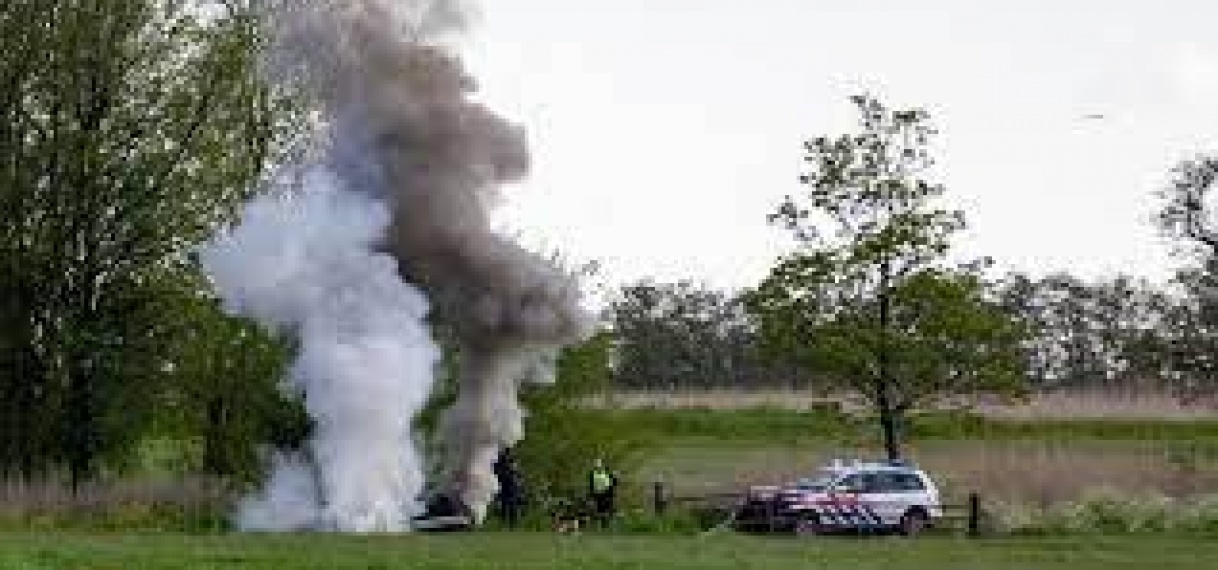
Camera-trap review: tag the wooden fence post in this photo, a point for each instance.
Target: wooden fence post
(659, 499)
(974, 515)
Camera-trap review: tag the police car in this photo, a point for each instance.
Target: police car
(851, 497)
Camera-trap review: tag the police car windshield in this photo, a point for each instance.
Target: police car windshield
(819, 482)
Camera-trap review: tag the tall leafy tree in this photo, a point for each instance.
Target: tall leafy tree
(1186, 213)
(868, 297)
(129, 129)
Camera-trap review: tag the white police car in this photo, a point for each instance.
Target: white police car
(851, 497)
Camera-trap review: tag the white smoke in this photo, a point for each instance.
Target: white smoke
(305, 263)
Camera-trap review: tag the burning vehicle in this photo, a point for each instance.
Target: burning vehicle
(855, 497)
(444, 513)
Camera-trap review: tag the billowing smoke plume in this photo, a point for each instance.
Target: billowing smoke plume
(411, 168)
(305, 264)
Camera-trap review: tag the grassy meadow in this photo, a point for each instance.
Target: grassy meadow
(1021, 470)
(538, 551)
(1062, 452)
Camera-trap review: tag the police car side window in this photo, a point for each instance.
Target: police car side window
(907, 482)
(898, 482)
(887, 483)
(852, 482)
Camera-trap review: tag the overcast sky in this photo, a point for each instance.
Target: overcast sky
(664, 131)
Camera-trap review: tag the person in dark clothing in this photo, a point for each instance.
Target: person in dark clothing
(511, 488)
(602, 488)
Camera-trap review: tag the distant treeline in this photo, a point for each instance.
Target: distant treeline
(1121, 333)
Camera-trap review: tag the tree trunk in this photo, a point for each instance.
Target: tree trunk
(25, 434)
(32, 418)
(883, 398)
(215, 460)
(82, 428)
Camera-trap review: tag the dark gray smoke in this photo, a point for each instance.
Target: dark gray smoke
(402, 125)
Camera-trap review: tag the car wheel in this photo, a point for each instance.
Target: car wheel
(913, 522)
(807, 527)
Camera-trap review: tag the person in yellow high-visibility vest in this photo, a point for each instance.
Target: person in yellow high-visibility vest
(602, 488)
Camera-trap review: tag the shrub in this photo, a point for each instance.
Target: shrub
(1200, 515)
(1105, 511)
(563, 438)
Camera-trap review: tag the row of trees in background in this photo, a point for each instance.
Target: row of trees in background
(1117, 334)
(688, 336)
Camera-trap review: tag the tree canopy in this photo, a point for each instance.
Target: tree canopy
(130, 130)
(868, 297)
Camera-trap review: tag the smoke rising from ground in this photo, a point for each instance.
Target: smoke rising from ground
(411, 168)
(304, 263)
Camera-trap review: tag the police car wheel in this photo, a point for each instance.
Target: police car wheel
(807, 526)
(913, 523)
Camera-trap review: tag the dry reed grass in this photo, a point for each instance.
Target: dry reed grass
(715, 399)
(1079, 404)
(19, 499)
(1047, 472)
(1101, 405)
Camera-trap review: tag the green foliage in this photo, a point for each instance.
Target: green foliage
(685, 335)
(870, 303)
(164, 457)
(1118, 333)
(1188, 334)
(1186, 214)
(130, 130)
(223, 396)
(943, 337)
(563, 438)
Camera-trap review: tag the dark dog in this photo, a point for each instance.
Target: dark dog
(567, 525)
(568, 519)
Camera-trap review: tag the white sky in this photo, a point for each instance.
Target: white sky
(664, 131)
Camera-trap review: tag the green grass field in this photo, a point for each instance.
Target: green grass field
(591, 551)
